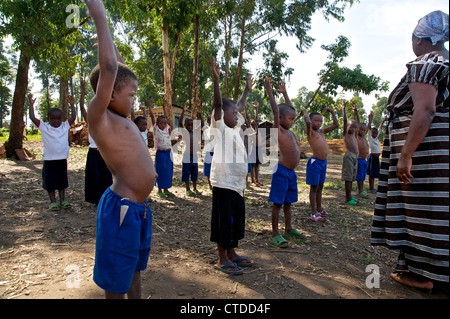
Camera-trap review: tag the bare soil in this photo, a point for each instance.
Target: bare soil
(47, 254)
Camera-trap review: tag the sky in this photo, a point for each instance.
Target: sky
(380, 35)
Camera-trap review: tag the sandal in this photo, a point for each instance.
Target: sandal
(168, 193)
(53, 206)
(294, 233)
(316, 217)
(239, 262)
(324, 213)
(197, 192)
(279, 241)
(237, 270)
(351, 202)
(65, 204)
(161, 194)
(190, 193)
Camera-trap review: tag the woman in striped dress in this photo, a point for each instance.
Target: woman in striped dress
(411, 210)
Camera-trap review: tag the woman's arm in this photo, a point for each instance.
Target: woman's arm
(424, 100)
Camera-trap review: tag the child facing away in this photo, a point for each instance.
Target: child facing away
(373, 161)
(283, 190)
(124, 219)
(350, 160)
(97, 177)
(141, 122)
(55, 137)
(189, 168)
(228, 179)
(316, 168)
(363, 151)
(163, 156)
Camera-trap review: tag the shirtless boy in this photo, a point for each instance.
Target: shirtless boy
(283, 191)
(350, 160)
(316, 167)
(363, 151)
(123, 216)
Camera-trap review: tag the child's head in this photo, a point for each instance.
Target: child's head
(162, 122)
(54, 117)
(287, 115)
(316, 120)
(230, 112)
(374, 132)
(124, 90)
(189, 124)
(352, 126)
(141, 123)
(362, 129)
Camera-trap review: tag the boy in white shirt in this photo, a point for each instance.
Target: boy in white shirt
(228, 178)
(55, 136)
(373, 166)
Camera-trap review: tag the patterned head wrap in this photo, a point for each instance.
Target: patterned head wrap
(434, 26)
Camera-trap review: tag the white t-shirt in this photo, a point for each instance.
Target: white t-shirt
(229, 164)
(374, 145)
(56, 141)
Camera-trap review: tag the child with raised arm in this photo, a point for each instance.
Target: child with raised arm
(97, 177)
(189, 168)
(55, 137)
(163, 156)
(283, 190)
(228, 178)
(350, 160)
(316, 168)
(363, 151)
(124, 219)
(373, 161)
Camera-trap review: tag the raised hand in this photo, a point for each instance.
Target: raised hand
(215, 68)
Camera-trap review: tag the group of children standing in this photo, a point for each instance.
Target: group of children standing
(124, 218)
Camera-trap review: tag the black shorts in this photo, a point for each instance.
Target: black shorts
(54, 175)
(227, 218)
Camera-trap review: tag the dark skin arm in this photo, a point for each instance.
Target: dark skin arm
(273, 104)
(282, 89)
(152, 116)
(243, 98)
(180, 122)
(335, 124)
(71, 101)
(424, 100)
(305, 114)
(82, 95)
(344, 115)
(31, 110)
(217, 105)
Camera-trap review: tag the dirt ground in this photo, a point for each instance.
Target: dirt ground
(46, 254)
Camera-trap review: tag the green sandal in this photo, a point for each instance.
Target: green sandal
(161, 194)
(197, 192)
(53, 206)
(190, 193)
(294, 234)
(279, 241)
(168, 193)
(65, 204)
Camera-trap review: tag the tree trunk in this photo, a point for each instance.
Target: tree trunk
(167, 75)
(228, 34)
(15, 140)
(240, 61)
(195, 106)
(63, 93)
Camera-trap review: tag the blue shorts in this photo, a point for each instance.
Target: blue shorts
(284, 186)
(207, 163)
(316, 171)
(189, 169)
(362, 170)
(164, 169)
(121, 248)
(373, 166)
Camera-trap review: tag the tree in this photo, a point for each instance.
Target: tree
(5, 79)
(32, 35)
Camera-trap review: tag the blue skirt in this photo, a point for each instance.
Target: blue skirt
(164, 169)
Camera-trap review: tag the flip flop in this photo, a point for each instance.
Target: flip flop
(161, 194)
(324, 213)
(240, 264)
(351, 202)
(190, 193)
(197, 192)
(230, 272)
(294, 233)
(279, 241)
(168, 193)
(53, 206)
(65, 204)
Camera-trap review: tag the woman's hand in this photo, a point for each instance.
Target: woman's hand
(404, 169)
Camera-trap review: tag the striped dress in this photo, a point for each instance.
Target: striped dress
(413, 218)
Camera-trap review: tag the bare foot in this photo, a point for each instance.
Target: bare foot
(412, 281)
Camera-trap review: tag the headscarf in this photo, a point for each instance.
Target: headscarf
(434, 26)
